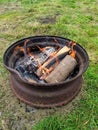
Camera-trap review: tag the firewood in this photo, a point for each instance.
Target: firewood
(60, 53)
(61, 72)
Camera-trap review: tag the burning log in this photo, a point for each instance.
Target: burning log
(45, 54)
(45, 63)
(64, 68)
(62, 52)
(29, 63)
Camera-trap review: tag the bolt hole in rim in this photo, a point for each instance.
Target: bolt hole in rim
(46, 101)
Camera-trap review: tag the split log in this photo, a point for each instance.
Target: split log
(61, 52)
(61, 72)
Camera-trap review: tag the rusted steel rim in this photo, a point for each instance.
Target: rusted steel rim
(46, 98)
(46, 95)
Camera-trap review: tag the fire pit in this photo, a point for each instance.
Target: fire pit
(46, 71)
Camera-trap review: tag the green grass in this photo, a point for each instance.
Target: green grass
(6, 1)
(74, 19)
(85, 115)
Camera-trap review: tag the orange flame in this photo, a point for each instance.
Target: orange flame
(45, 72)
(72, 44)
(73, 54)
(54, 53)
(41, 49)
(19, 48)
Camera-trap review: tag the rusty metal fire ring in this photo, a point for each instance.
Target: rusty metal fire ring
(51, 94)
